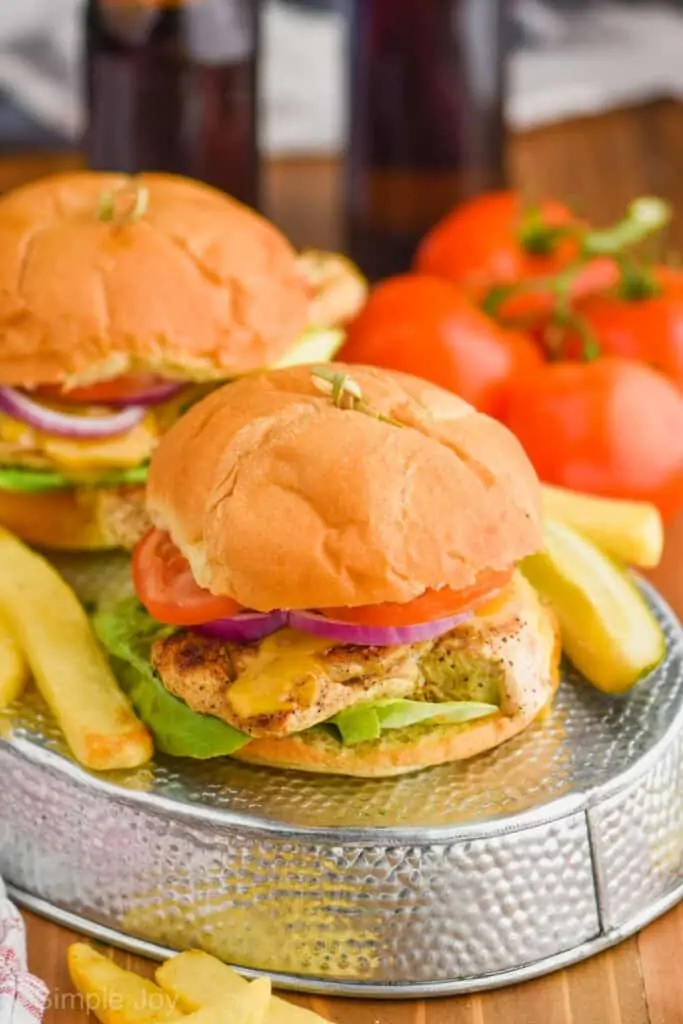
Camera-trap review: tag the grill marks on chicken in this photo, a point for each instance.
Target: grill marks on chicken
(289, 681)
(283, 684)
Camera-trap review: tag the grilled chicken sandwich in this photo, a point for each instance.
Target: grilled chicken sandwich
(330, 583)
(118, 297)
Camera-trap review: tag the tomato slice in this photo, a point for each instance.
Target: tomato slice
(168, 590)
(165, 585)
(428, 607)
(127, 387)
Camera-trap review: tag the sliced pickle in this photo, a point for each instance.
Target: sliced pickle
(608, 631)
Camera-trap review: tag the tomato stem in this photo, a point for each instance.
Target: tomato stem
(636, 282)
(538, 237)
(565, 317)
(497, 295)
(644, 218)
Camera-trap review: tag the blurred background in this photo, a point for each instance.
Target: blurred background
(591, 95)
(569, 58)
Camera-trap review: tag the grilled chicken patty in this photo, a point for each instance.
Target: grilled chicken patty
(290, 681)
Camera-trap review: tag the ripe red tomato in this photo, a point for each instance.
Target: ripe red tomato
(128, 387)
(428, 607)
(165, 585)
(649, 329)
(481, 244)
(427, 327)
(613, 427)
(491, 242)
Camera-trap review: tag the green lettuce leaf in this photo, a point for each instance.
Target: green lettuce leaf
(367, 721)
(21, 478)
(16, 478)
(358, 724)
(317, 345)
(127, 632)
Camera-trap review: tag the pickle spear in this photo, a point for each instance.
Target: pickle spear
(629, 530)
(608, 631)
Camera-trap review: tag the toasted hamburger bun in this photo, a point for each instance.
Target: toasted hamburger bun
(199, 287)
(407, 750)
(280, 499)
(78, 519)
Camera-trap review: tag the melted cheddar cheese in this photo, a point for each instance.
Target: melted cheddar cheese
(23, 444)
(284, 674)
(287, 672)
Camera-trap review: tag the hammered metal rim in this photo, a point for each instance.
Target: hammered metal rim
(560, 807)
(364, 990)
(348, 836)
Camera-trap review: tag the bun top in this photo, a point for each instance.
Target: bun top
(280, 499)
(198, 286)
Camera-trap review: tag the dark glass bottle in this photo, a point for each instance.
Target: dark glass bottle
(426, 119)
(171, 86)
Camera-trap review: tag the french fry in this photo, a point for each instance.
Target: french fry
(67, 663)
(116, 996)
(250, 1006)
(195, 980)
(630, 531)
(14, 671)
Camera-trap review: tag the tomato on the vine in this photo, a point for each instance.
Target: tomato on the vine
(646, 325)
(611, 427)
(491, 243)
(129, 387)
(428, 327)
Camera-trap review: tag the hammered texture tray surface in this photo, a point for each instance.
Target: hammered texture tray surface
(450, 879)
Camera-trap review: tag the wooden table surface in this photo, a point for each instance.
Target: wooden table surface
(598, 164)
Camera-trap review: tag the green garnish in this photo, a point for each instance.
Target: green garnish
(346, 393)
(124, 205)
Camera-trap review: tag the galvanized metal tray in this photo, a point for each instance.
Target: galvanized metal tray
(455, 879)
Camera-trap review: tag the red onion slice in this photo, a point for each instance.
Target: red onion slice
(372, 636)
(23, 408)
(249, 626)
(243, 628)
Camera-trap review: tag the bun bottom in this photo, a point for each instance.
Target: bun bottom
(404, 751)
(78, 519)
